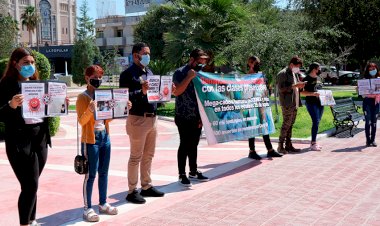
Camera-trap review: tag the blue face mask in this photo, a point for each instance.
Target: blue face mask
(373, 72)
(145, 59)
(27, 70)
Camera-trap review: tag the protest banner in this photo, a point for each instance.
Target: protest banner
(233, 107)
(369, 86)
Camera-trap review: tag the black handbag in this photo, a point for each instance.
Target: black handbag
(80, 161)
(81, 164)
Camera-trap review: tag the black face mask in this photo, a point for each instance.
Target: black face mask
(256, 68)
(198, 67)
(95, 82)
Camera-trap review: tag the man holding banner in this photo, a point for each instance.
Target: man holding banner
(187, 117)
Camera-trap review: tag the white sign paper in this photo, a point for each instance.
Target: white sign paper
(104, 101)
(57, 105)
(326, 97)
(33, 105)
(121, 97)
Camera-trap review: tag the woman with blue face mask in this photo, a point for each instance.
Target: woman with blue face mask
(371, 106)
(26, 140)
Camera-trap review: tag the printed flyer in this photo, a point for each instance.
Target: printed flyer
(326, 97)
(44, 99)
(160, 88)
(111, 103)
(369, 86)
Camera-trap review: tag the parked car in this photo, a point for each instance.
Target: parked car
(349, 78)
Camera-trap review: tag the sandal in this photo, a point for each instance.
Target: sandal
(90, 215)
(108, 209)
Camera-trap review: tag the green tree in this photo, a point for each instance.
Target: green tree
(8, 35)
(30, 19)
(358, 18)
(85, 23)
(85, 52)
(206, 24)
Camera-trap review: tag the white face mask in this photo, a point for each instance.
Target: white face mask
(295, 70)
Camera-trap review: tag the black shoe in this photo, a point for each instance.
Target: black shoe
(135, 197)
(151, 192)
(254, 155)
(292, 149)
(273, 154)
(373, 144)
(198, 176)
(183, 180)
(368, 144)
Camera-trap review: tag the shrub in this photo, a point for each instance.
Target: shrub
(42, 64)
(54, 125)
(3, 65)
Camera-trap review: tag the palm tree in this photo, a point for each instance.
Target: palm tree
(30, 19)
(206, 24)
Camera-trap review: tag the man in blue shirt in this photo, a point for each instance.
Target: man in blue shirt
(187, 117)
(141, 125)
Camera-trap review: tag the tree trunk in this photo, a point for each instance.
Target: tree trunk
(30, 38)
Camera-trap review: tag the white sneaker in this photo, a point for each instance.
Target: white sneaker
(315, 147)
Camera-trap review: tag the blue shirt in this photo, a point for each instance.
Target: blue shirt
(130, 79)
(186, 106)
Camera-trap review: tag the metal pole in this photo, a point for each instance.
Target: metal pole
(38, 26)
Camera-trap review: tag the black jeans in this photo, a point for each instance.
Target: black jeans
(370, 109)
(189, 135)
(27, 153)
(266, 138)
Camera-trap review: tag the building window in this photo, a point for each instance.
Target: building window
(63, 31)
(119, 33)
(64, 7)
(66, 30)
(53, 23)
(23, 2)
(45, 10)
(99, 34)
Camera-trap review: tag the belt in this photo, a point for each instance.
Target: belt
(145, 114)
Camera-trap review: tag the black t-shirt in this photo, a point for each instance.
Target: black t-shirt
(312, 85)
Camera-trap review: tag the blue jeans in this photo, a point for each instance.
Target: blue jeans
(315, 112)
(98, 156)
(370, 110)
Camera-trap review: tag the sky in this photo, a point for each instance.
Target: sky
(119, 8)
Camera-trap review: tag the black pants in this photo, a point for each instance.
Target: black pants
(27, 153)
(189, 135)
(266, 138)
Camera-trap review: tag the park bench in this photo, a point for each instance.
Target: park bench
(346, 115)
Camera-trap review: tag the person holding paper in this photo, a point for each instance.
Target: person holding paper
(141, 126)
(313, 104)
(26, 140)
(371, 106)
(254, 67)
(187, 117)
(289, 88)
(95, 146)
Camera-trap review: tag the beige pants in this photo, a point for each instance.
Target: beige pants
(142, 133)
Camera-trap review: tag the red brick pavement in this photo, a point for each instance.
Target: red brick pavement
(338, 186)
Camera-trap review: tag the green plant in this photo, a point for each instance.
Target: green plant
(54, 125)
(42, 64)
(161, 67)
(3, 65)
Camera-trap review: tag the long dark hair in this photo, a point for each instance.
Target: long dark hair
(11, 70)
(366, 72)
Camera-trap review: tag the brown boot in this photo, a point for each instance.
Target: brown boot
(289, 147)
(281, 149)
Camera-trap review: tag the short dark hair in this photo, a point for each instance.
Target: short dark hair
(296, 60)
(198, 53)
(254, 59)
(313, 66)
(138, 47)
